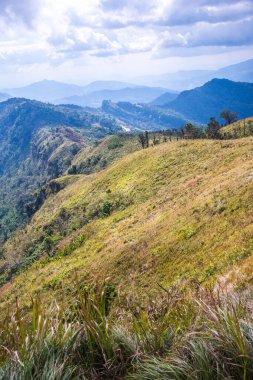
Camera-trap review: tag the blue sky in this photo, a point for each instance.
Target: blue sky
(80, 41)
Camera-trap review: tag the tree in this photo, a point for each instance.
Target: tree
(72, 169)
(213, 129)
(143, 139)
(155, 140)
(190, 131)
(229, 116)
(147, 138)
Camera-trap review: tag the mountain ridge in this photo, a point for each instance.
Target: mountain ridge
(200, 103)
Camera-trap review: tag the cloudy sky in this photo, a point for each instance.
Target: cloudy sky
(83, 40)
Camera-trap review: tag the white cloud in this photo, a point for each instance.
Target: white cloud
(52, 33)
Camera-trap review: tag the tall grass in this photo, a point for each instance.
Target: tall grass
(179, 335)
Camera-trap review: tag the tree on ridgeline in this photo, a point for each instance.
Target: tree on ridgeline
(229, 116)
(213, 129)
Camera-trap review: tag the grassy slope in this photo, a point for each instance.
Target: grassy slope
(92, 159)
(184, 212)
(240, 128)
(95, 158)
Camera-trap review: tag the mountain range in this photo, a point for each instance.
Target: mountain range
(183, 80)
(196, 105)
(138, 94)
(142, 90)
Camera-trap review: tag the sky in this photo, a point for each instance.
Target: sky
(79, 41)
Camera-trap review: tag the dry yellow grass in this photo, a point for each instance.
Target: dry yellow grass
(240, 128)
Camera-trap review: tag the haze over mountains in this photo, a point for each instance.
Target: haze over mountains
(151, 87)
(138, 94)
(183, 80)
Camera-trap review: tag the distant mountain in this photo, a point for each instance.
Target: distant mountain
(241, 72)
(183, 80)
(178, 81)
(128, 94)
(46, 90)
(212, 98)
(106, 85)
(143, 116)
(91, 95)
(4, 97)
(164, 98)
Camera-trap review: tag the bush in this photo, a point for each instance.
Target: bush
(114, 143)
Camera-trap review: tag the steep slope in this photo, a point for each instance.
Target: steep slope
(128, 94)
(211, 99)
(177, 211)
(38, 142)
(91, 159)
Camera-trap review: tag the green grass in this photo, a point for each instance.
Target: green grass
(112, 148)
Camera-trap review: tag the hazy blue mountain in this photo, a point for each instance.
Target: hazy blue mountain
(106, 85)
(178, 81)
(46, 90)
(90, 95)
(143, 116)
(212, 98)
(164, 98)
(128, 94)
(183, 80)
(4, 96)
(241, 72)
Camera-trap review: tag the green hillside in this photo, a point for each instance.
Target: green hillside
(96, 157)
(176, 211)
(37, 143)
